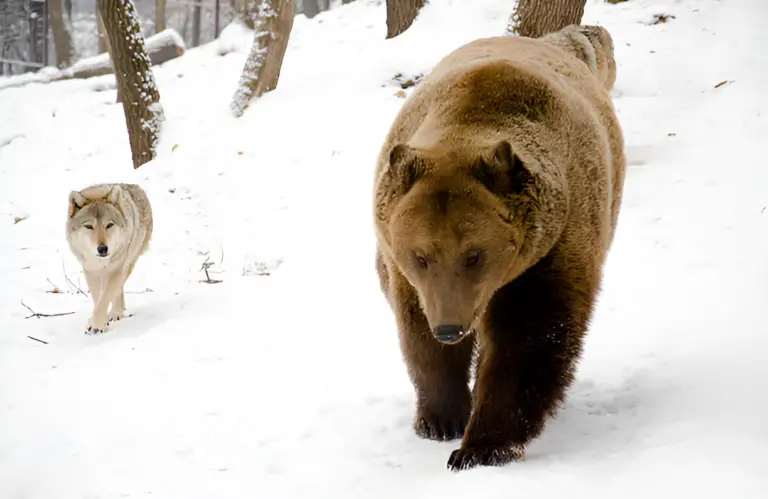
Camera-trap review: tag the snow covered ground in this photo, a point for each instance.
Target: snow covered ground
(291, 384)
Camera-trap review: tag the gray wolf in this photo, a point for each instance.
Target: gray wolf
(108, 228)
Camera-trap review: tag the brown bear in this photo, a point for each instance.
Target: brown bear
(496, 197)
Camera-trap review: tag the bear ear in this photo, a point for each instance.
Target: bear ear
(502, 171)
(405, 167)
(76, 201)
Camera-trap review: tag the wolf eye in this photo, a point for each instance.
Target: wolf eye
(472, 259)
(88, 226)
(109, 225)
(422, 262)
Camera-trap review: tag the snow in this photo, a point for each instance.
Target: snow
(285, 379)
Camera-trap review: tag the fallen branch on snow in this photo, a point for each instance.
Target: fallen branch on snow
(38, 315)
(161, 47)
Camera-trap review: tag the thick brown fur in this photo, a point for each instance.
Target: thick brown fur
(496, 197)
(593, 45)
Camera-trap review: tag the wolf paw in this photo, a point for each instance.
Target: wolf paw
(116, 316)
(95, 326)
(490, 455)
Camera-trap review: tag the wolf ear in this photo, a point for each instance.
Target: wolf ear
(114, 195)
(502, 171)
(405, 167)
(76, 201)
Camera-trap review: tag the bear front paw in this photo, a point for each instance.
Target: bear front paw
(434, 427)
(470, 457)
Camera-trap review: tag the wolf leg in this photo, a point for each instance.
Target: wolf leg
(94, 282)
(111, 290)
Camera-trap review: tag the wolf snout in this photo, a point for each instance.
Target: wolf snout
(450, 333)
(102, 250)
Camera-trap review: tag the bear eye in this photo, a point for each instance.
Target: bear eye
(422, 262)
(88, 226)
(110, 225)
(472, 259)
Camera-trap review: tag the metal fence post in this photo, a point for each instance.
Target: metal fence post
(216, 20)
(45, 32)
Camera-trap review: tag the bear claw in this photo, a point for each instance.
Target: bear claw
(467, 458)
(443, 429)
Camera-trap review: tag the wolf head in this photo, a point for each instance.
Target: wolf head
(97, 228)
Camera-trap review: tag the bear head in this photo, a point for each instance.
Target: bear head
(456, 227)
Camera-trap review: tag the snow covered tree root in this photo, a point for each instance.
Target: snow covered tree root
(135, 81)
(272, 28)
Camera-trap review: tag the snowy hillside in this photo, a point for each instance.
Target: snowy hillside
(285, 380)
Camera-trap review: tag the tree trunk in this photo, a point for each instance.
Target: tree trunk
(400, 15)
(102, 34)
(197, 10)
(344, 2)
(159, 15)
(311, 8)
(135, 81)
(535, 18)
(62, 37)
(246, 11)
(273, 24)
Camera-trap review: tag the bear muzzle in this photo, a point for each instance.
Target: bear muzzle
(450, 333)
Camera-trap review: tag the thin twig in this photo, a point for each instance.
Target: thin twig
(69, 281)
(204, 268)
(35, 314)
(56, 289)
(41, 341)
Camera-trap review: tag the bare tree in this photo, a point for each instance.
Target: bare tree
(311, 8)
(102, 33)
(273, 23)
(197, 10)
(159, 15)
(135, 81)
(344, 2)
(400, 15)
(535, 18)
(62, 36)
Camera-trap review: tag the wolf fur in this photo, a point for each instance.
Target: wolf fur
(108, 228)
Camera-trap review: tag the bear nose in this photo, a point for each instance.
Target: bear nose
(102, 249)
(449, 333)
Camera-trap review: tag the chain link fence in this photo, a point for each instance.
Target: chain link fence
(25, 33)
(23, 44)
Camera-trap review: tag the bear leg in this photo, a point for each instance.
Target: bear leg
(439, 373)
(534, 329)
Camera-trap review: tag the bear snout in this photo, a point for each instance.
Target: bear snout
(449, 333)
